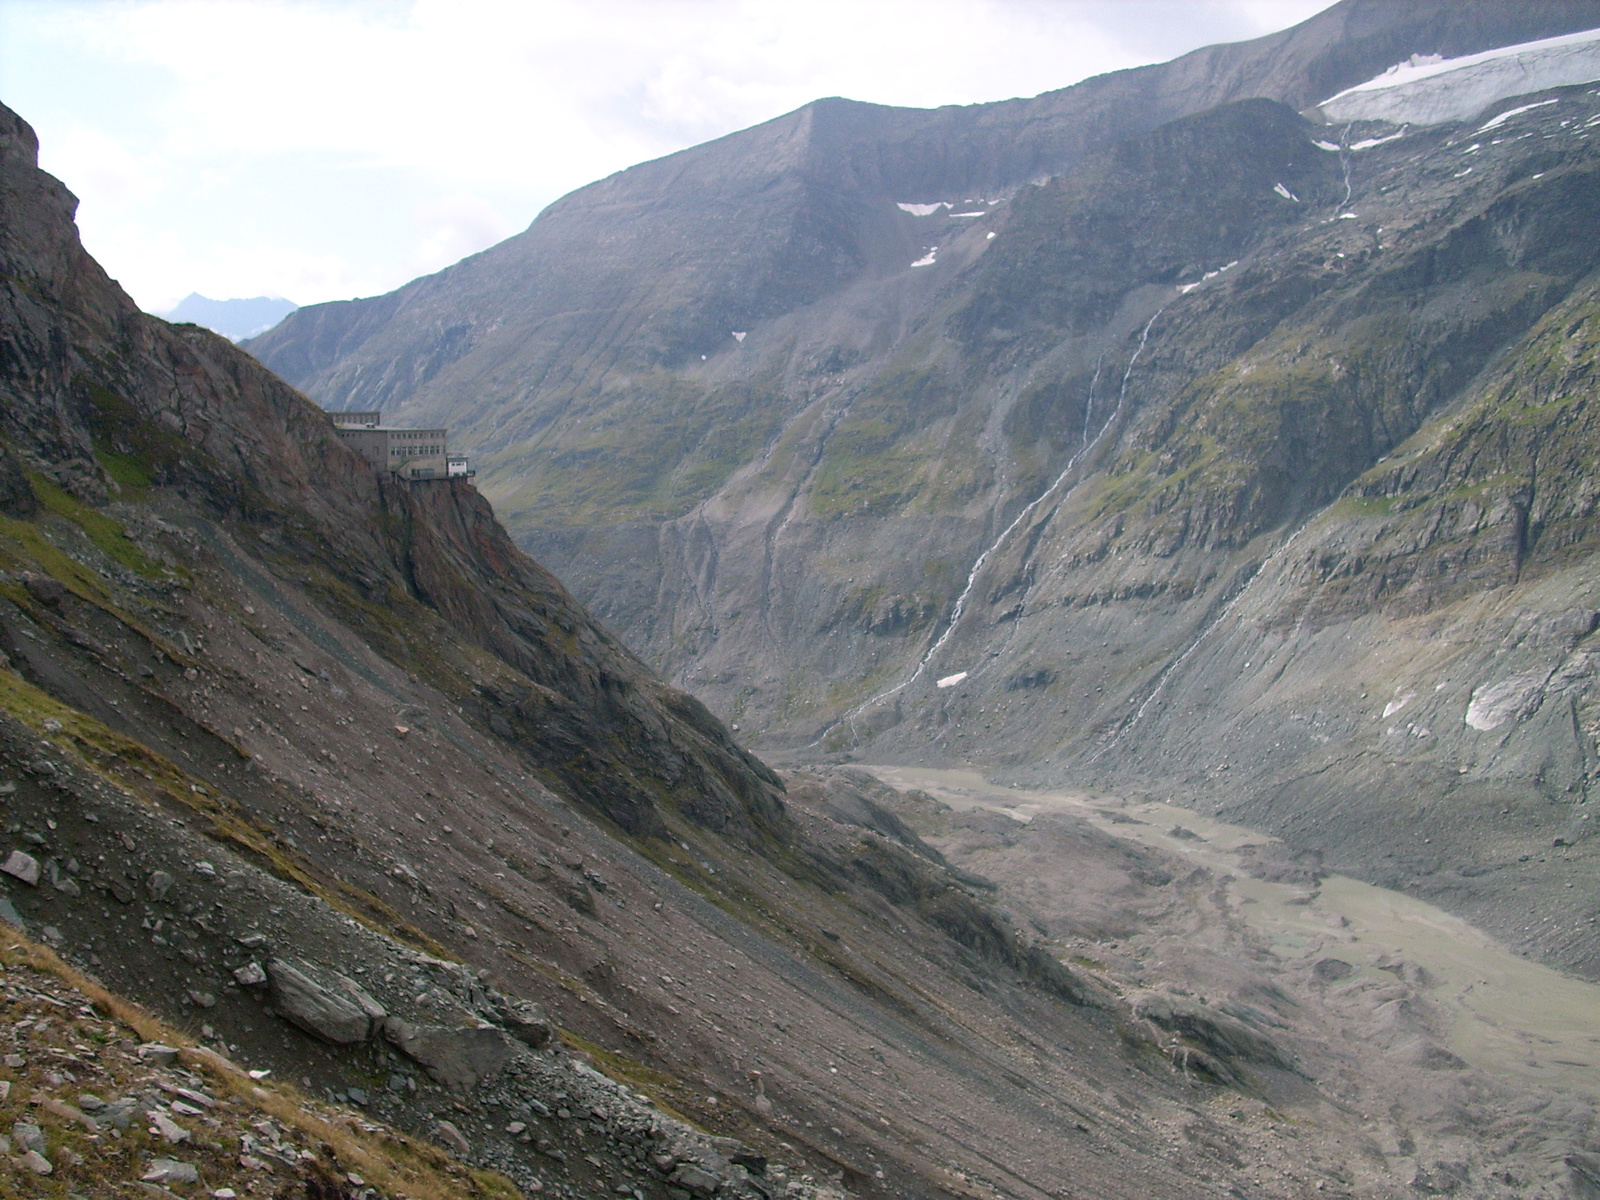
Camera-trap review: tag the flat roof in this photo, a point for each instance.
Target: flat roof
(391, 429)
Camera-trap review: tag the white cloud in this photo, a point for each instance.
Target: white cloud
(455, 226)
(310, 148)
(102, 167)
(160, 267)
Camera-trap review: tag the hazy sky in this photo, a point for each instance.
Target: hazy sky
(325, 150)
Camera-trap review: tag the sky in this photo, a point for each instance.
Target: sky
(322, 150)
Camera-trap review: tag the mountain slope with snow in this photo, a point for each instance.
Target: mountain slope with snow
(818, 439)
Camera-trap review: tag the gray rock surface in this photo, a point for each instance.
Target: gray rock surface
(525, 1021)
(330, 1012)
(459, 1057)
(170, 1170)
(19, 864)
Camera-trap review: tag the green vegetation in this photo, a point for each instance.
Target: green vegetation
(886, 453)
(135, 451)
(127, 470)
(22, 547)
(648, 452)
(108, 535)
(1364, 506)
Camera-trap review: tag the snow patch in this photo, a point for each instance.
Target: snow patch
(1285, 192)
(1496, 122)
(971, 214)
(1369, 143)
(927, 259)
(1429, 90)
(1328, 146)
(1186, 288)
(924, 210)
(740, 334)
(951, 680)
(990, 234)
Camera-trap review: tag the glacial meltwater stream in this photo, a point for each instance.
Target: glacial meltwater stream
(1509, 1016)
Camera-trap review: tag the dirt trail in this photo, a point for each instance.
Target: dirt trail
(1508, 1016)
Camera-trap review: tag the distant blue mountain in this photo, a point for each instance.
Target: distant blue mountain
(233, 319)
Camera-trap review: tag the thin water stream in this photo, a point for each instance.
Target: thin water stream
(959, 608)
(1507, 1015)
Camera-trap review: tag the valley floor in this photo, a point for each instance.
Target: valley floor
(1466, 1066)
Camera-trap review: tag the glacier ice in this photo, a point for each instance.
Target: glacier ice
(1430, 90)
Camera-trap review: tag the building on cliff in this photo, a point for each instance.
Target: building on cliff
(408, 453)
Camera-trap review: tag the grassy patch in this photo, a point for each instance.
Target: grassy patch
(1364, 506)
(870, 466)
(109, 536)
(29, 547)
(649, 452)
(127, 470)
(129, 445)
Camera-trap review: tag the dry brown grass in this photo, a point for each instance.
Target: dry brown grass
(394, 1163)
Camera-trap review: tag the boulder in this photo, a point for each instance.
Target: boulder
(44, 589)
(167, 1128)
(339, 1013)
(525, 1021)
(696, 1179)
(456, 1056)
(170, 1170)
(28, 1136)
(452, 1137)
(23, 866)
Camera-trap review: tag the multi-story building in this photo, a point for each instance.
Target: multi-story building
(408, 453)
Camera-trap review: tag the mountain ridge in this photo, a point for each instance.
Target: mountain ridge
(1379, 40)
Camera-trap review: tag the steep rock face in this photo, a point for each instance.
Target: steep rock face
(435, 583)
